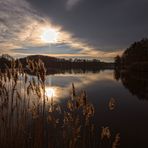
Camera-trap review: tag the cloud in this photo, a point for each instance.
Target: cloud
(107, 25)
(20, 28)
(71, 3)
(15, 16)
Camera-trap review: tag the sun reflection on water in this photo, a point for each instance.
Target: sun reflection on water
(50, 92)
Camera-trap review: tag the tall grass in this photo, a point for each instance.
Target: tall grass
(31, 119)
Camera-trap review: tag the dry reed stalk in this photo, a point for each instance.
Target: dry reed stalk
(28, 120)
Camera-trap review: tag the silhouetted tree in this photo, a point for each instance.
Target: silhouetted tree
(117, 62)
(136, 56)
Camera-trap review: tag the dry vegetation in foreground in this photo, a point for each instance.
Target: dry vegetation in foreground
(30, 119)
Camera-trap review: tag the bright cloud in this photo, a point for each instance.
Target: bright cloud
(21, 26)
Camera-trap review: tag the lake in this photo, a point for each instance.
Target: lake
(130, 116)
(74, 109)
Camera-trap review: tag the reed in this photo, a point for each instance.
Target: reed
(30, 119)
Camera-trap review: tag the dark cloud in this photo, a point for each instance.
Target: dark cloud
(91, 24)
(107, 25)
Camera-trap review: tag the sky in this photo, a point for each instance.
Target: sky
(71, 28)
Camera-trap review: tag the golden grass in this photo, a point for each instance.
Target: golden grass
(30, 119)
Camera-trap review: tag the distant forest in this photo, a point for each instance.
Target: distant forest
(56, 65)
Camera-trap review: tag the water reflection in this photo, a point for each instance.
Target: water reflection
(135, 82)
(50, 92)
(60, 85)
(113, 104)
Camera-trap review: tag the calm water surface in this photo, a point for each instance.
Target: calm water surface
(130, 117)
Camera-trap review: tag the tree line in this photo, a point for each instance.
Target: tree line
(53, 64)
(135, 57)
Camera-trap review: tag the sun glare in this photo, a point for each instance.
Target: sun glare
(49, 35)
(50, 92)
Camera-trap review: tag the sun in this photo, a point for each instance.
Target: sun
(49, 35)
